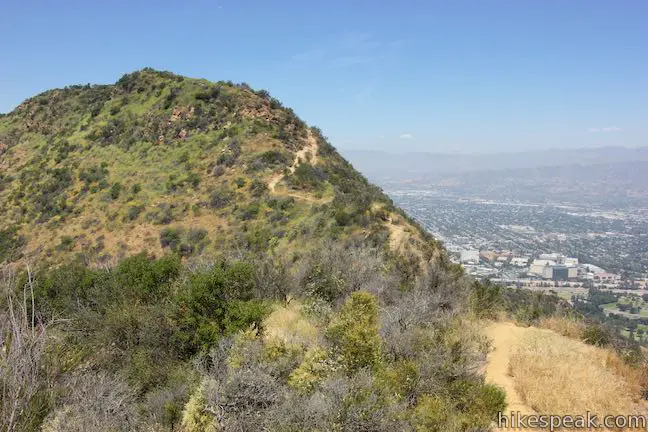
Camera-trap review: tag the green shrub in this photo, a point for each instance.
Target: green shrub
(195, 417)
(258, 188)
(477, 404)
(115, 190)
(194, 180)
(240, 281)
(281, 203)
(143, 277)
(354, 332)
(529, 306)
(230, 154)
(196, 235)
(239, 182)
(487, 401)
(185, 249)
(66, 244)
(132, 212)
(171, 237)
(197, 211)
(270, 159)
(434, 414)
(95, 174)
(220, 198)
(275, 157)
(260, 239)
(208, 95)
(325, 284)
(72, 288)
(162, 215)
(308, 177)
(486, 299)
(173, 183)
(595, 334)
(343, 217)
(242, 314)
(401, 377)
(48, 191)
(11, 244)
(312, 370)
(251, 211)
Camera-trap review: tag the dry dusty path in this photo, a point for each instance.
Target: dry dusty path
(311, 148)
(504, 337)
(396, 234)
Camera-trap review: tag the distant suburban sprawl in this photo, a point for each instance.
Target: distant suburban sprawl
(558, 246)
(574, 225)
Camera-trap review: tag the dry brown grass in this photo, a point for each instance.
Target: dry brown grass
(570, 327)
(574, 329)
(558, 375)
(288, 324)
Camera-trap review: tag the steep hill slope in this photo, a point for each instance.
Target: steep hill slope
(161, 162)
(285, 293)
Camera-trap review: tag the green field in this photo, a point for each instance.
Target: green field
(634, 301)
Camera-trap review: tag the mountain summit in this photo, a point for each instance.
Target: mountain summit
(177, 254)
(158, 162)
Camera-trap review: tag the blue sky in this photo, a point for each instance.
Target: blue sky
(447, 76)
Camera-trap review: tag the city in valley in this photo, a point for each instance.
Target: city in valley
(574, 223)
(533, 245)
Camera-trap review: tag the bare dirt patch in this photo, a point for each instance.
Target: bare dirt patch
(308, 153)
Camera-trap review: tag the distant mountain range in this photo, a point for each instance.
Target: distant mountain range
(385, 165)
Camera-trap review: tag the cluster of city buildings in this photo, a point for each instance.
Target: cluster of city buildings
(555, 267)
(548, 266)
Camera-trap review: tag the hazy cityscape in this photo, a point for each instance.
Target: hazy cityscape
(563, 227)
(502, 240)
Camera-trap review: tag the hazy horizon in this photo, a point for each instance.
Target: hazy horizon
(450, 152)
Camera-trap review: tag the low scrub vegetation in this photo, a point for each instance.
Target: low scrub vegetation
(282, 309)
(11, 244)
(323, 343)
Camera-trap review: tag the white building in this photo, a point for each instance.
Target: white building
(519, 261)
(570, 262)
(470, 256)
(542, 268)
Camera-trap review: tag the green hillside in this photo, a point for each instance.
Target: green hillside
(158, 162)
(181, 255)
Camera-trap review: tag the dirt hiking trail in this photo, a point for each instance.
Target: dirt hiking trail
(396, 234)
(504, 338)
(311, 148)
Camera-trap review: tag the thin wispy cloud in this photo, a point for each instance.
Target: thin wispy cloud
(406, 136)
(604, 129)
(359, 55)
(342, 62)
(344, 50)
